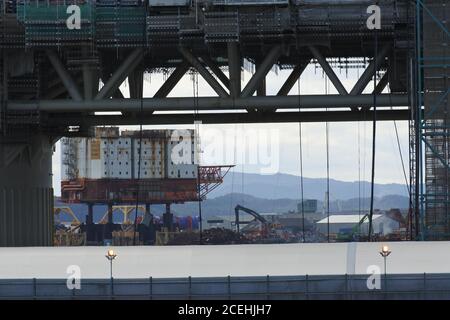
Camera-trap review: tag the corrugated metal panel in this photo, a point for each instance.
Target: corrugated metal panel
(24, 216)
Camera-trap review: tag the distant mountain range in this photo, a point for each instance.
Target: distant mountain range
(286, 186)
(277, 193)
(224, 205)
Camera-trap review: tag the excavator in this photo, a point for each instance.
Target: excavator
(256, 215)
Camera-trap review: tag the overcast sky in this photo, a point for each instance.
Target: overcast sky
(273, 148)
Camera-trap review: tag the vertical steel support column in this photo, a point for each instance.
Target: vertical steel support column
(121, 73)
(109, 225)
(260, 74)
(419, 120)
(90, 228)
(3, 92)
(90, 77)
(234, 67)
(418, 128)
(26, 193)
(167, 218)
(90, 217)
(261, 89)
(110, 213)
(136, 83)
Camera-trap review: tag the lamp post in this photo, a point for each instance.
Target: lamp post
(111, 256)
(385, 252)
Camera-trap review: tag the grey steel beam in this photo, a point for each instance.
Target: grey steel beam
(234, 67)
(173, 80)
(241, 117)
(136, 83)
(90, 75)
(292, 79)
(367, 75)
(216, 71)
(212, 103)
(119, 76)
(59, 90)
(89, 80)
(217, 87)
(262, 71)
(66, 78)
(380, 87)
(118, 94)
(262, 88)
(328, 70)
(382, 83)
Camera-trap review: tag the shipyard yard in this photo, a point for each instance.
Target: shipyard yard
(224, 150)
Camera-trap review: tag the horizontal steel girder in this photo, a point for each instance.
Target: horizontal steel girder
(222, 118)
(213, 103)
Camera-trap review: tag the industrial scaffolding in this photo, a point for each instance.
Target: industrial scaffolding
(434, 126)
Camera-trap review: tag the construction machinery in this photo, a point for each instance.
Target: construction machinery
(355, 234)
(266, 227)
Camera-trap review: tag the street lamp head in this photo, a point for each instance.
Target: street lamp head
(385, 251)
(111, 255)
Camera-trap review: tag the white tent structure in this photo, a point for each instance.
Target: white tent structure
(344, 223)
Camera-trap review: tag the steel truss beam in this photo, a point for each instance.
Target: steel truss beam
(262, 71)
(217, 87)
(367, 75)
(243, 117)
(119, 76)
(213, 103)
(292, 79)
(328, 70)
(216, 71)
(173, 80)
(65, 77)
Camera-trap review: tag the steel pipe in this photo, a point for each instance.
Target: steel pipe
(212, 103)
(119, 76)
(328, 70)
(367, 75)
(173, 80)
(243, 117)
(262, 71)
(209, 78)
(65, 77)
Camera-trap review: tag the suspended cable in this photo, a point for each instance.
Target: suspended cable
(374, 131)
(359, 175)
(243, 166)
(141, 114)
(401, 153)
(328, 168)
(197, 129)
(302, 200)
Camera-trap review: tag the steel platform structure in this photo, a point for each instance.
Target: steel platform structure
(50, 73)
